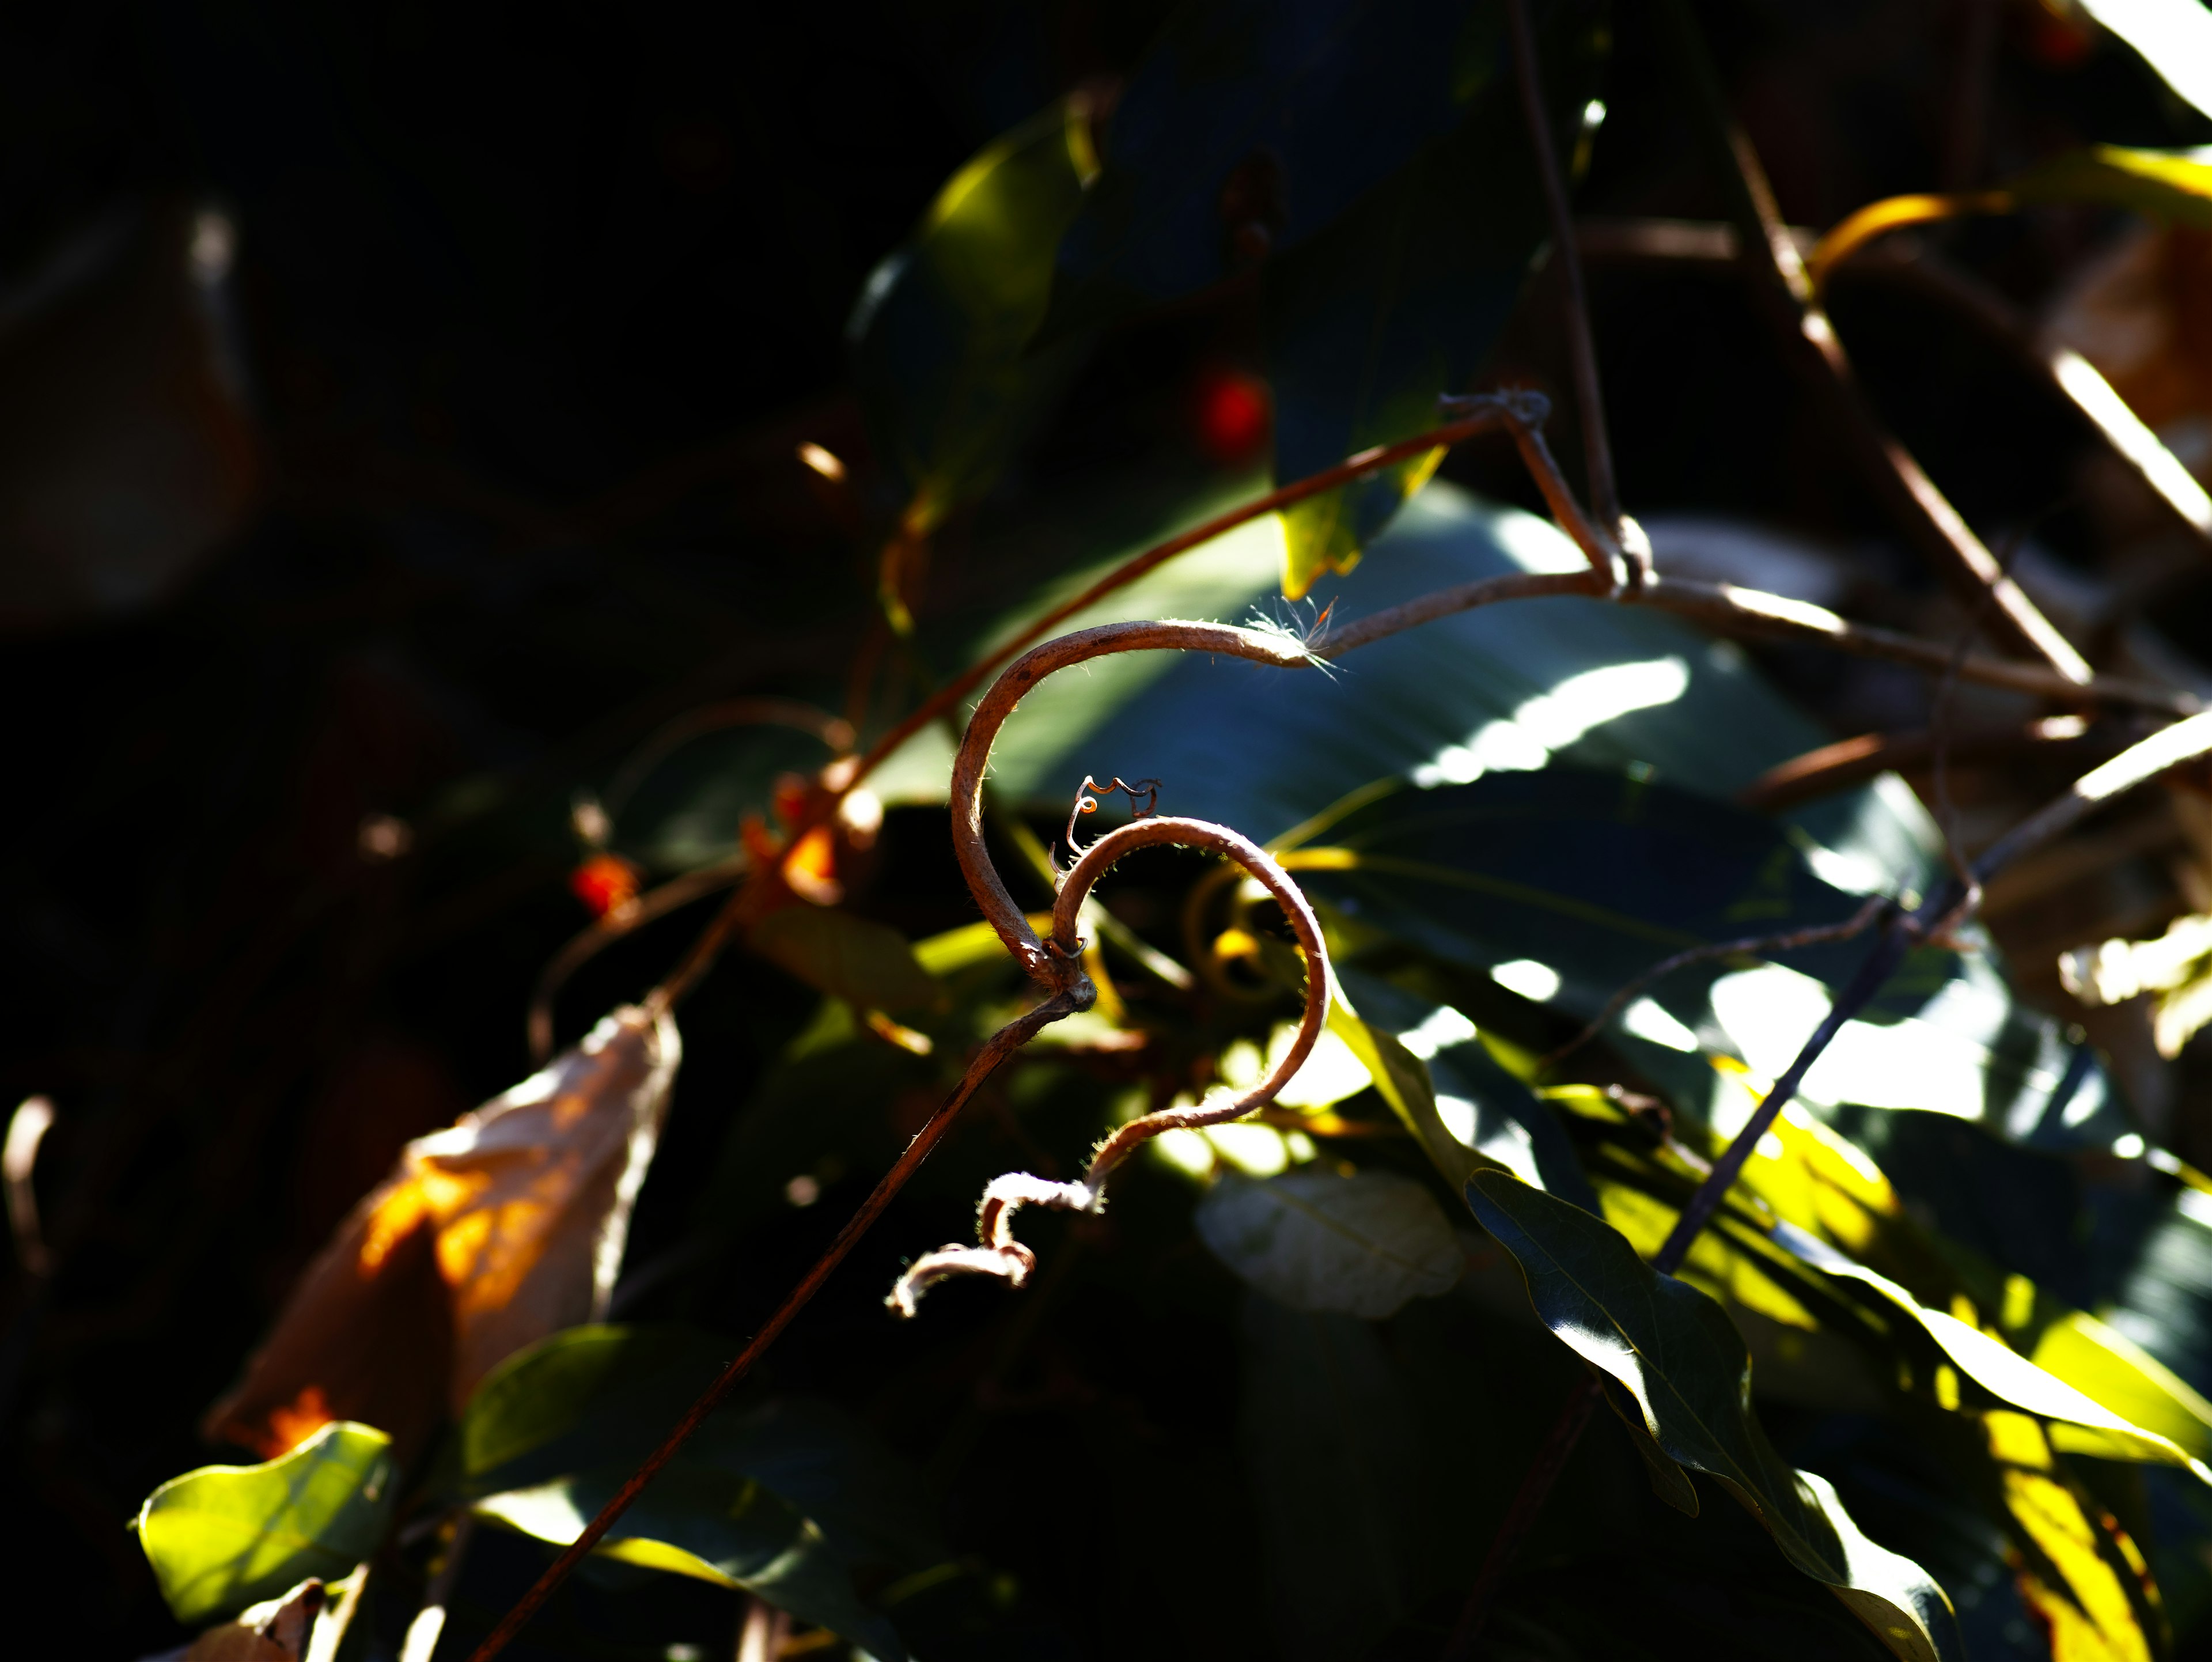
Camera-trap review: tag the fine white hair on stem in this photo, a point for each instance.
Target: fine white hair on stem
(996, 1251)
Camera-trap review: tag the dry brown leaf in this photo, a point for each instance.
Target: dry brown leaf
(274, 1631)
(487, 1236)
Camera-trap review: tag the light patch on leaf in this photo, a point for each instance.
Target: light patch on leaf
(223, 1536)
(1361, 1246)
(489, 1235)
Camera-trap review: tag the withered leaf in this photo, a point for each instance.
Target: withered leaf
(275, 1631)
(505, 1226)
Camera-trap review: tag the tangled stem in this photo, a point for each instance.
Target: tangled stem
(1055, 963)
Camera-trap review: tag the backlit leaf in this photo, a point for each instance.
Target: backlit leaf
(2084, 1579)
(223, 1538)
(1567, 886)
(865, 963)
(2169, 185)
(1359, 1245)
(940, 332)
(489, 1235)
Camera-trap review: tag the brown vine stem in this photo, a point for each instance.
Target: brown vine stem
(1582, 344)
(997, 1252)
(2183, 743)
(1001, 1044)
(1896, 478)
(1057, 968)
(1519, 414)
(1854, 761)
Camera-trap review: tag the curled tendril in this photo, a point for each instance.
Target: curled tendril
(997, 1252)
(1056, 964)
(1086, 803)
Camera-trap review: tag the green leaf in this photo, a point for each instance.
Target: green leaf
(1568, 886)
(2085, 1581)
(712, 1526)
(2078, 1422)
(1399, 301)
(222, 1538)
(1677, 1352)
(942, 327)
(1404, 1083)
(1806, 1193)
(1250, 126)
(584, 1396)
(1359, 1245)
(784, 1497)
(593, 1397)
(2169, 185)
(868, 964)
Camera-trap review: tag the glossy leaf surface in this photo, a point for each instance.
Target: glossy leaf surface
(1677, 1352)
(1573, 885)
(1499, 689)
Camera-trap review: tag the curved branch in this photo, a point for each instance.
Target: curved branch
(1000, 1045)
(997, 1252)
(1046, 966)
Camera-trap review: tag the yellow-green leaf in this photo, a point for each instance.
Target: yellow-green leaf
(222, 1538)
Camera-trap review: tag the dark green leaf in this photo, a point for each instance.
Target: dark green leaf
(1400, 298)
(594, 1397)
(222, 1538)
(1675, 1351)
(698, 1521)
(940, 335)
(1505, 687)
(1571, 885)
(1251, 125)
(865, 963)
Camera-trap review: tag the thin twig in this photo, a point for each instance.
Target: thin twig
(2068, 375)
(1888, 467)
(2182, 743)
(1516, 413)
(833, 732)
(1853, 761)
(1582, 344)
(997, 1252)
(1765, 946)
(587, 944)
